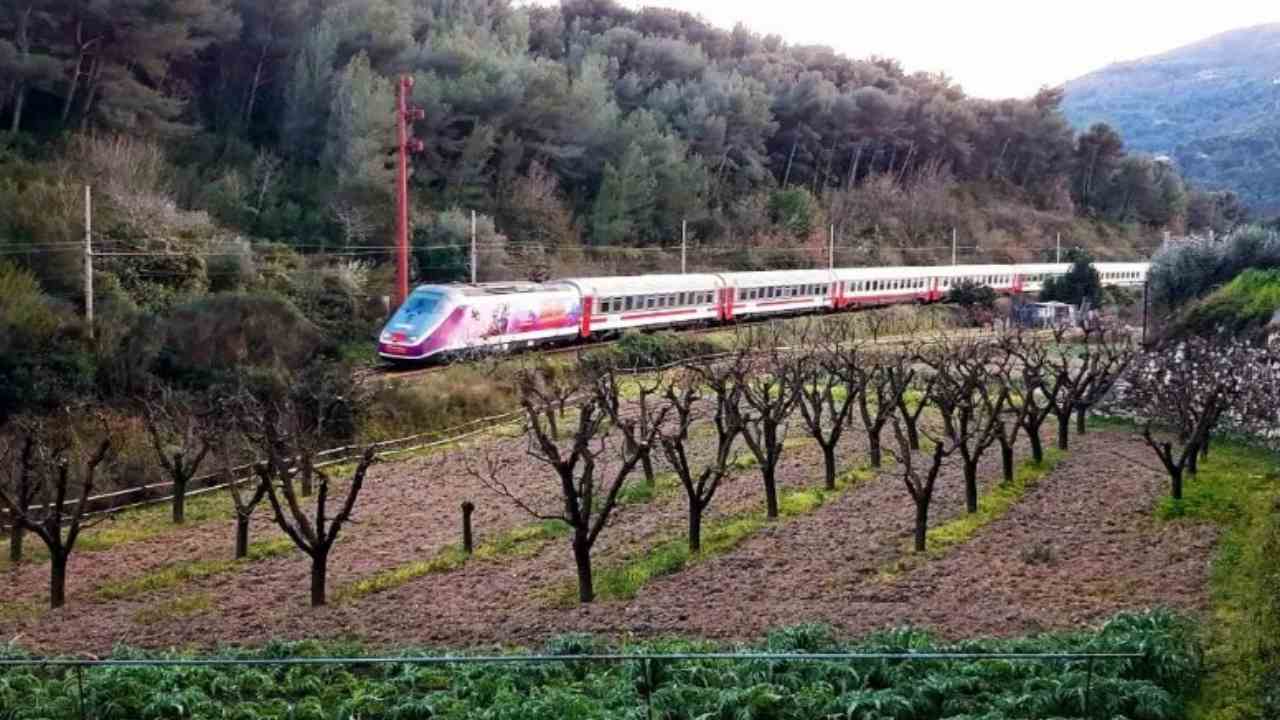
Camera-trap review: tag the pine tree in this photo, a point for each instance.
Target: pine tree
(626, 200)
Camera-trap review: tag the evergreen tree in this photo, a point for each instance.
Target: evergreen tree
(1081, 282)
(623, 210)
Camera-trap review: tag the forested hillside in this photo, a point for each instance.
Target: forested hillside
(1213, 106)
(239, 137)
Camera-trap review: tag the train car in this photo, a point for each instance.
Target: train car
(884, 286)
(1034, 275)
(439, 320)
(1123, 274)
(613, 304)
(442, 319)
(775, 292)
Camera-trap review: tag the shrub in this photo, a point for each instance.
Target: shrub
(650, 350)
(1186, 270)
(968, 293)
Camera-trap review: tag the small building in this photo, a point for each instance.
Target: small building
(1045, 314)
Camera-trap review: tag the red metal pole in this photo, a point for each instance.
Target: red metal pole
(402, 191)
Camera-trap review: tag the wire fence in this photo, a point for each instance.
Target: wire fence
(650, 664)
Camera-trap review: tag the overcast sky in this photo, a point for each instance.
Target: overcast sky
(993, 48)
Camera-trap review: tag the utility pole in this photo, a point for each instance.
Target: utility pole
(684, 244)
(405, 114)
(88, 259)
(831, 249)
(1057, 258)
(953, 246)
(473, 247)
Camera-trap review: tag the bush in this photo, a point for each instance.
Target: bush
(1242, 307)
(202, 340)
(650, 350)
(968, 293)
(1082, 282)
(1183, 271)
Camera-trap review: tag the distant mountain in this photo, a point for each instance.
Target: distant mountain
(1214, 106)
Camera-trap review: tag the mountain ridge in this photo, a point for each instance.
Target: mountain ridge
(1212, 105)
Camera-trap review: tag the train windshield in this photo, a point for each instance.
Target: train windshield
(418, 313)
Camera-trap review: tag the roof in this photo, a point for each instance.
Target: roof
(642, 284)
(777, 277)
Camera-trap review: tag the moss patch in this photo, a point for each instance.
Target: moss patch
(1238, 488)
(178, 573)
(992, 505)
(520, 542)
(175, 609)
(670, 554)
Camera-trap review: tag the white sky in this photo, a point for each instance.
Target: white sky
(993, 48)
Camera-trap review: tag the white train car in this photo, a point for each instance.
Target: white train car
(883, 286)
(614, 304)
(1034, 275)
(775, 292)
(1123, 274)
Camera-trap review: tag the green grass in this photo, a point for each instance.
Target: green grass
(521, 542)
(639, 492)
(992, 505)
(1238, 488)
(1242, 306)
(180, 607)
(179, 573)
(671, 554)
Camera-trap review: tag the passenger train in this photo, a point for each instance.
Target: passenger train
(442, 320)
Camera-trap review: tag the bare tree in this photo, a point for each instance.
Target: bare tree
(19, 456)
(877, 398)
(1183, 392)
(920, 475)
(176, 426)
(283, 425)
(682, 396)
(550, 399)
(635, 420)
(826, 384)
(1015, 405)
(969, 401)
(768, 401)
(58, 468)
(242, 503)
(1036, 386)
(1103, 353)
(912, 389)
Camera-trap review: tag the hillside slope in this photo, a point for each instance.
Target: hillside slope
(1211, 105)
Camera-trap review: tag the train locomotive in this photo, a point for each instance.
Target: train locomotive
(442, 321)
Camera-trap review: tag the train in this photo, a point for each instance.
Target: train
(438, 322)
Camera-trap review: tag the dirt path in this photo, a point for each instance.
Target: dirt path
(1104, 554)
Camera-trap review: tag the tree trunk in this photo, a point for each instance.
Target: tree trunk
(786, 176)
(874, 455)
(95, 71)
(1204, 448)
(1176, 477)
(1006, 461)
(913, 434)
(770, 491)
(1081, 415)
(15, 543)
(646, 462)
(1037, 446)
(179, 501)
(922, 524)
(242, 536)
(57, 579)
(695, 528)
(319, 570)
(253, 88)
(304, 482)
(1064, 431)
(1193, 461)
(582, 558)
(829, 465)
(19, 98)
(971, 486)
